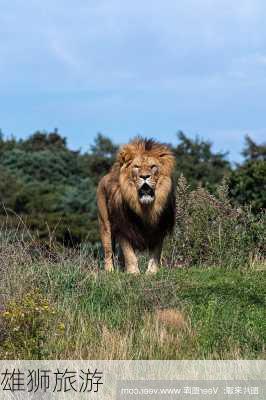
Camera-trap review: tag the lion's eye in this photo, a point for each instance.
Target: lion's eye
(136, 166)
(154, 167)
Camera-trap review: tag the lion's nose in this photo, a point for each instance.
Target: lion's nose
(145, 177)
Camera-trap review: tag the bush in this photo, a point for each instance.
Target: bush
(211, 231)
(25, 325)
(10, 188)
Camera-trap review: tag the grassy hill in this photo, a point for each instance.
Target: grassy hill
(67, 308)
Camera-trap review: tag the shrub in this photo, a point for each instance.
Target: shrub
(211, 231)
(10, 188)
(25, 324)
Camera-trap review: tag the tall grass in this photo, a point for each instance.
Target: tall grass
(211, 231)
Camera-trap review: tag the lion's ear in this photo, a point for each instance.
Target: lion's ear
(124, 155)
(164, 154)
(168, 160)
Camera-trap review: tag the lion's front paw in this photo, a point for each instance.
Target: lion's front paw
(151, 271)
(153, 267)
(109, 267)
(133, 270)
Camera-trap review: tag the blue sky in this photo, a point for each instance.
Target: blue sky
(121, 67)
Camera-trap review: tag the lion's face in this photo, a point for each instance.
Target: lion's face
(145, 173)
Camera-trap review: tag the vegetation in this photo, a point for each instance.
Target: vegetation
(53, 188)
(208, 300)
(180, 313)
(196, 160)
(76, 310)
(210, 230)
(248, 181)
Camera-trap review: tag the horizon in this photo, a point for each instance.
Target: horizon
(227, 155)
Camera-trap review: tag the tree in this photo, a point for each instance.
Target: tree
(196, 160)
(48, 184)
(248, 181)
(253, 151)
(41, 140)
(103, 147)
(101, 157)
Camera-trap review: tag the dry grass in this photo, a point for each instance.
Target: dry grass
(171, 318)
(210, 230)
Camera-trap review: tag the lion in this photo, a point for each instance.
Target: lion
(136, 203)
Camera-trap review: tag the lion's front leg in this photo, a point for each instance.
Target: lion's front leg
(107, 247)
(131, 261)
(105, 228)
(155, 259)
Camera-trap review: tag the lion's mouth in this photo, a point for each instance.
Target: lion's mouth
(146, 194)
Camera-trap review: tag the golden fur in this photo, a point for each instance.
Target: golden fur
(136, 202)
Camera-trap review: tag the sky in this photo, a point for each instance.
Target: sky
(125, 67)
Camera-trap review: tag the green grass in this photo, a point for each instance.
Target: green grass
(191, 313)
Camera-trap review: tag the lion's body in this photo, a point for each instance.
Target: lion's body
(136, 204)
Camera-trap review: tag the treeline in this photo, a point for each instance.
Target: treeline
(53, 188)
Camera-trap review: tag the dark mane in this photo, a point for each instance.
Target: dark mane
(149, 144)
(127, 224)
